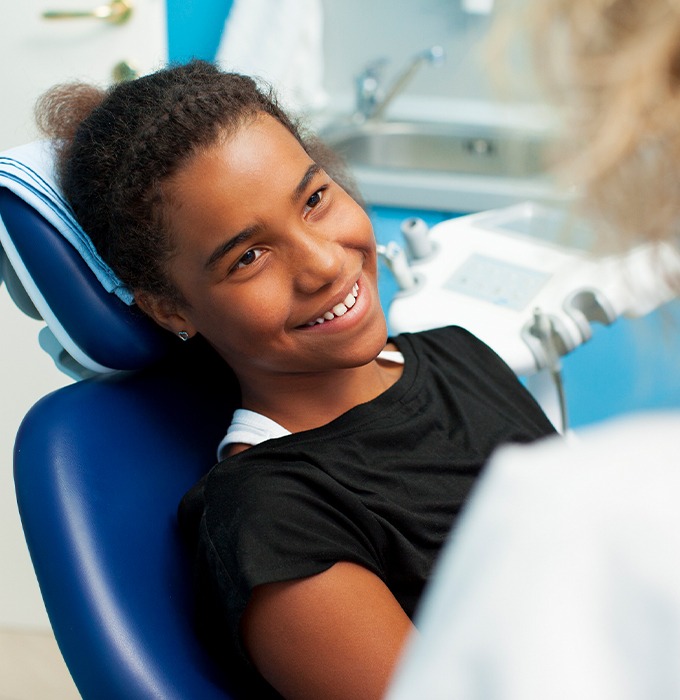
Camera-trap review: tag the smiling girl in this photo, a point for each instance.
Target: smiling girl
(352, 453)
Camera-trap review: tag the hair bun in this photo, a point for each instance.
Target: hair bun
(60, 111)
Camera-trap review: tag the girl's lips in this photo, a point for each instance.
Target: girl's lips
(332, 317)
(339, 309)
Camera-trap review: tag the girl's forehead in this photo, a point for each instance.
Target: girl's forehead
(261, 147)
(259, 150)
(247, 177)
(263, 138)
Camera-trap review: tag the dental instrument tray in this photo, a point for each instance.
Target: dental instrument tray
(522, 279)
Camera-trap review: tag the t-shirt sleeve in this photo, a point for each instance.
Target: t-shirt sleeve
(271, 522)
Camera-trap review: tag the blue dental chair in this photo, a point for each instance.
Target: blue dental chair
(100, 467)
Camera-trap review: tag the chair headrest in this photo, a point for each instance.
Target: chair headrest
(85, 308)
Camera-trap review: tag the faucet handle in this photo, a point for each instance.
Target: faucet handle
(372, 71)
(374, 68)
(368, 87)
(435, 54)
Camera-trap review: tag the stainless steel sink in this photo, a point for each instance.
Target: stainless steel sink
(439, 148)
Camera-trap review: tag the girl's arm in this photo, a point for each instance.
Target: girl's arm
(337, 635)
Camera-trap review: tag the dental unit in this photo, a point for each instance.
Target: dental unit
(521, 279)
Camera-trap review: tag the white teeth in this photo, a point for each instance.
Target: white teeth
(339, 309)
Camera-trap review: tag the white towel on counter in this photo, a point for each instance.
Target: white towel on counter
(280, 41)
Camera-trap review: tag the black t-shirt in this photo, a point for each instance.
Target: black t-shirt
(379, 486)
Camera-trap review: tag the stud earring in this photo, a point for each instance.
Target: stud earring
(183, 335)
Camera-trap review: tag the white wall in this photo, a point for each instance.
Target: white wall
(26, 374)
(358, 32)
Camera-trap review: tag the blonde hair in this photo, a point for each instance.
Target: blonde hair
(612, 68)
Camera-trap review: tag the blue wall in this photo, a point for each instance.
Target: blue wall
(631, 365)
(195, 28)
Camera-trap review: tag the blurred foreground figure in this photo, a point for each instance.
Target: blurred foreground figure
(561, 578)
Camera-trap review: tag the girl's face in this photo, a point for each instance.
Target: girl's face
(266, 244)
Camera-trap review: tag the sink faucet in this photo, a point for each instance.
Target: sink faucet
(372, 100)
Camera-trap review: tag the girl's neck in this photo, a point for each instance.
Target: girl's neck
(303, 402)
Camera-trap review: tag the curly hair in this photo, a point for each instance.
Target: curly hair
(116, 148)
(612, 68)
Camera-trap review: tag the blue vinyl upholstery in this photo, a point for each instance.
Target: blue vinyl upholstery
(100, 467)
(103, 327)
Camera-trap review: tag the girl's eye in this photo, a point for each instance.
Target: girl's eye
(248, 258)
(314, 200)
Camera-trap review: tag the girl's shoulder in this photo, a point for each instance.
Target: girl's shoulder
(452, 345)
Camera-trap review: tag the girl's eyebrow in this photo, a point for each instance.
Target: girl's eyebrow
(228, 245)
(311, 171)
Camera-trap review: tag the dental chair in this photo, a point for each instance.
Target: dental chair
(100, 466)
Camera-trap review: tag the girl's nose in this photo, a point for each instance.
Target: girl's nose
(318, 262)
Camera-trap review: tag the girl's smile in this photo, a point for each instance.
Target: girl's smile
(337, 310)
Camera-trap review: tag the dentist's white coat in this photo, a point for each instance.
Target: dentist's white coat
(562, 580)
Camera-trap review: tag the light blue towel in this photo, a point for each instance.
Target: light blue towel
(28, 171)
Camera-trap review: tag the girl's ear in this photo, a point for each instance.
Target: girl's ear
(165, 313)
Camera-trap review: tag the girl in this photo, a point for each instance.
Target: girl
(351, 455)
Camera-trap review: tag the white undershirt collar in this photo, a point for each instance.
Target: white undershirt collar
(251, 428)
